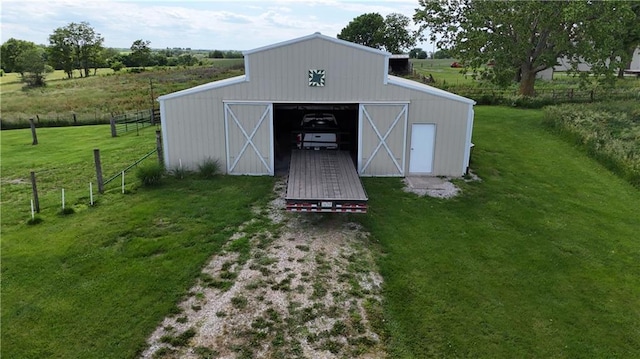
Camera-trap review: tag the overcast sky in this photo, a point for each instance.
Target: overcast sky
(223, 25)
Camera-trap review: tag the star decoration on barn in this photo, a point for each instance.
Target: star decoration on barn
(316, 78)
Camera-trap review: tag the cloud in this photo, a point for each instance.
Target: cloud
(236, 25)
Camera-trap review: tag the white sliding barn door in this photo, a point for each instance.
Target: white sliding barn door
(382, 139)
(249, 138)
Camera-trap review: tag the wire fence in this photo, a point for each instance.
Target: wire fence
(121, 173)
(134, 121)
(125, 122)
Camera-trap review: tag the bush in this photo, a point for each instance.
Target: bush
(150, 174)
(209, 168)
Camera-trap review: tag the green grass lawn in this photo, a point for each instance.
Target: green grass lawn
(540, 259)
(94, 284)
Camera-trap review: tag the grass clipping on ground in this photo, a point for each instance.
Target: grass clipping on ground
(285, 285)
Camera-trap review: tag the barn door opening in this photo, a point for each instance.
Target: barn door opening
(382, 139)
(423, 136)
(249, 138)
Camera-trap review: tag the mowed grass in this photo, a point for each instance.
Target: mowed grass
(539, 260)
(95, 283)
(64, 159)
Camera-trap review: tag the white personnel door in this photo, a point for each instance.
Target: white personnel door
(423, 137)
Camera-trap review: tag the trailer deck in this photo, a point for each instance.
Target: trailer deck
(324, 181)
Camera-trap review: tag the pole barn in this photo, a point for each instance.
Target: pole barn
(389, 126)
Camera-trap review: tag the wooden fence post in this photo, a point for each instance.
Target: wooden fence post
(112, 121)
(36, 200)
(159, 148)
(96, 158)
(33, 132)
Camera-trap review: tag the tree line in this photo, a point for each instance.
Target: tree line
(78, 49)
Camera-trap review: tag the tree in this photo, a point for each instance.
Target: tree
(140, 53)
(397, 37)
(33, 64)
(78, 44)
(522, 38)
(366, 29)
(187, 60)
(215, 54)
(417, 53)
(391, 33)
(442, 54)
(9, 53)
(61, 55)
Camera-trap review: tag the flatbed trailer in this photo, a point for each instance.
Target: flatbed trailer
(324, 181)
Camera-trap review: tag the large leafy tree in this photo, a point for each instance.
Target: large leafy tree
(366, 29)
(522, 38)
(34, 66)
(391, 33)
(61, 51)
(397, 37)
(83, 44)
(140, 53)
(9, 53)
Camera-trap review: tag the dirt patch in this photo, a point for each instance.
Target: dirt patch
(285, 286)
(438, 187)
(17, 181)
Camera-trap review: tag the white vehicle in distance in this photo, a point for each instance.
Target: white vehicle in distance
(319, 131)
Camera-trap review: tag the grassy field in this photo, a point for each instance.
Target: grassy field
(94, 284)
(538, 260)
(99, 96)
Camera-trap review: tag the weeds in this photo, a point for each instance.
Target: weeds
(209, 168)
(150, 174)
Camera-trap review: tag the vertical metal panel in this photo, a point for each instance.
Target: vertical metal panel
(194, 131)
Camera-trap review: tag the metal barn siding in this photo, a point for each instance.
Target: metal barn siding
(281, 73)
(197, 122)
(195, 133)
(450, 139)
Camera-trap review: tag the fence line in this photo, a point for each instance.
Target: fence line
(72, 119)
(130, 167)
(134, 121)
